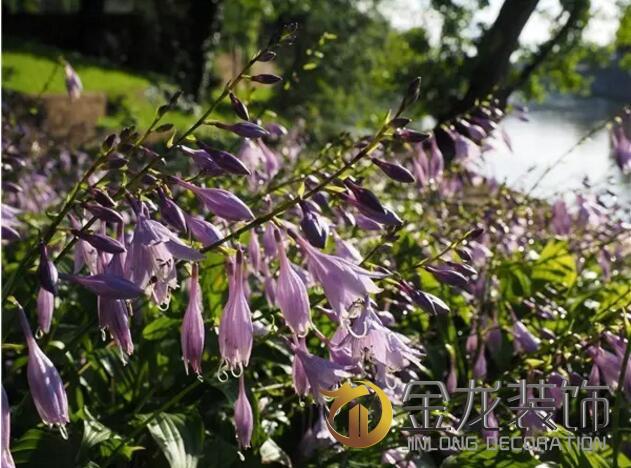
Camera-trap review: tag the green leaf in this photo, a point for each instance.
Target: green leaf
(180, 437)
(160, 328)
(555, 264)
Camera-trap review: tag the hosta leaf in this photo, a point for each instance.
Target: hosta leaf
(180, 437)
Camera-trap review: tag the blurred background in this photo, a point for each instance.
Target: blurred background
(568, 61)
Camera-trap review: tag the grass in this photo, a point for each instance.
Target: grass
(132, 97)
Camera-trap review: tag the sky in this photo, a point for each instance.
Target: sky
(406, 14)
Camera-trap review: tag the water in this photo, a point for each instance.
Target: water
(553, 128)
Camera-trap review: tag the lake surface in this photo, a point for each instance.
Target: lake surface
(553, 128)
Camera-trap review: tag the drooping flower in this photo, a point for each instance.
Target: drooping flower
(448, 275)
(45, 308)
(291, 294)
(254, 251)
(243, 417)
(73, 82)
(343, 282)
(220, 202)
(244, 129)
(114, 317)
(46, 386)
(426, 301)
(226, 161)
(203, 161)
(312, 227)
(621, 145)
(104, 213)
(609, 367)
(346, 249)
(7, 458)
(235, 329)
(84, 253)
(321, 374)
(370, 339)
(192, 334)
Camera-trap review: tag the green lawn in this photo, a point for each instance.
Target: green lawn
(26, 68)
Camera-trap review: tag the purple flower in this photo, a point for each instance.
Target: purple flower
(226, 161)
(346, 250)
(254, 251)
(369, 205)
(266, 78)
(203, 161)
(193, 325)
(561, 220)
(104, 213)
(448, 275)
(239, 108)
(609, 367)
(235, 328)
(220, 202)
(312, 227)
(479, 367)
(397, 457)
(244, 129)
(46, 386)
(202, 230)
(48, 274)
(243, 417)
(426, 301)
(621, 148)
(524, 340)
(107, 285)
(370, 339)
(269, 241)
(320, 374)
(114, 317)
(100, 242)
(73, 82)
(84, 253)
(291, 294)
(45, 308)
(394, 171)
(171, 212)
(7, 458)
(343, 282)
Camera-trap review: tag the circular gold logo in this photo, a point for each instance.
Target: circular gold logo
(359, 435)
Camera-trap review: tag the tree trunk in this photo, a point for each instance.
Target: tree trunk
(490, 66)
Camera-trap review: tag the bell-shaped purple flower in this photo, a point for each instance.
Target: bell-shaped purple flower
(220, 202)
(45, 308)
(321, 374)
(343, 282)
(370, 339)
(561, 220)
(291, 294)
(114, 317)
(235, 329)
(609, 366)
(46, 386)
(345, 249)
(243, 417)
(226, 161)
(48, 274)
(254, 251)
(7, 458)
(479, 367)
(426, 301)
(193, 333)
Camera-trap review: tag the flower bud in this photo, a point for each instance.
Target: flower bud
(394, 171)
(266, 78)
(48, 275)
(239, 108)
